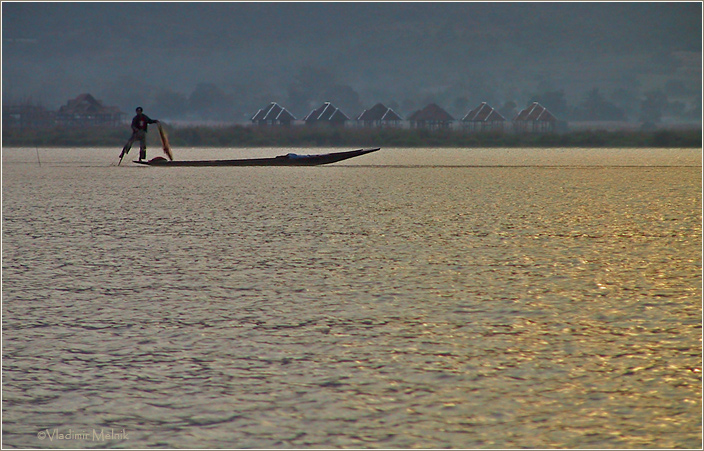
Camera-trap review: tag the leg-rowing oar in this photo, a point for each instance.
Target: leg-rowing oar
(122, 154)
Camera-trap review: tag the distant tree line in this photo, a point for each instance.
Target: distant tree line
(241, 136)
(623, 105)
(307, 89)
(237, 102)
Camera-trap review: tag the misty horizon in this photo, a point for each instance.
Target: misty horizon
(224, 61)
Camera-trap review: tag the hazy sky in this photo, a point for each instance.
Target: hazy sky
(383, 51)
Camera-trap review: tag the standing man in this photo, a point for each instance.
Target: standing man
(139, 132)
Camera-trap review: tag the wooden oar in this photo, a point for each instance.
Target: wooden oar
(122, 154)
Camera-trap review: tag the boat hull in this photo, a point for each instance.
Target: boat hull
(281, 160)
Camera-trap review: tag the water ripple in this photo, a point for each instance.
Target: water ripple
(360, 307)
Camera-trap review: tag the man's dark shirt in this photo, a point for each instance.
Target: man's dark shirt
(140, 122)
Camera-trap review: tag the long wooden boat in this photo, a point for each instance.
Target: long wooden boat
(281, 160)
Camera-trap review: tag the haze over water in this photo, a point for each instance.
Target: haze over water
(456, 298)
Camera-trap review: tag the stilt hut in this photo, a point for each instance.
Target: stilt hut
(26, 116)
(379, 116)
(326, 114)
(431, 117)
(272, 115)
(85, 111)
(483, 119)
(535, 118)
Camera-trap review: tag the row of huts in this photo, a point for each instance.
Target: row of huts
(86, 110)
(534, 118)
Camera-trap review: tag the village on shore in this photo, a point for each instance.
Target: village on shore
(86, 121)
(85, 111)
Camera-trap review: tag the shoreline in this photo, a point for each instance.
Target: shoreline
(239, 136)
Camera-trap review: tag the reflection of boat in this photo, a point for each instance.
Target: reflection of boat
(282, 160)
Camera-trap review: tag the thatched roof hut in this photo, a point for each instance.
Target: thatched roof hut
(27, 116)
(86, 110)
(328, 114)
(379, 116)
(431, 117)
(535, 118)
(274, 114)
(484, 118)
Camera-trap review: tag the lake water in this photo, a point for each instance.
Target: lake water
(411, 298)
